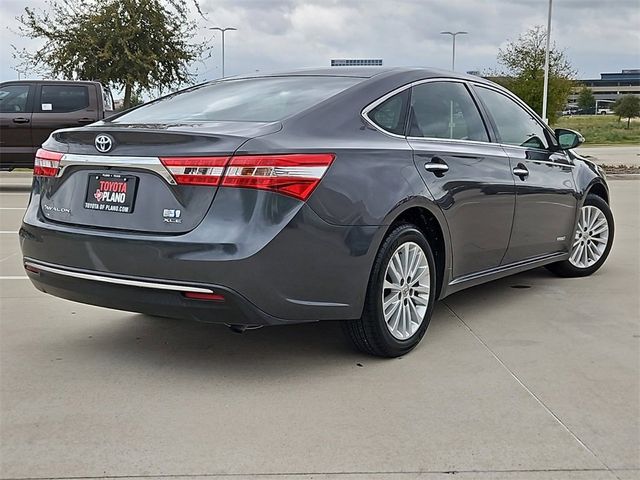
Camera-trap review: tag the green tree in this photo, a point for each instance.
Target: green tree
(523, 63)
(131, 44)
(627, 106)
(586, 99)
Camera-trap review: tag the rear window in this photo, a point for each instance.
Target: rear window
(252, 100)
(63, 98)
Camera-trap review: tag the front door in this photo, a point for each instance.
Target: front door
(469, 177)
(546, 199)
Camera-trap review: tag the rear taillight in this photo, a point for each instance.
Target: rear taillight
(196, 170)
(46, 163)
(294, 174)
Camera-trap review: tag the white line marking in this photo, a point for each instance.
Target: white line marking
(14, 277)
(7, 231)
(14, 193)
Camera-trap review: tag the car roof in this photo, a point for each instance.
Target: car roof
(363, 72)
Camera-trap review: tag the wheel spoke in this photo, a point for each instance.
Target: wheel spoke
(405, 260)
(387, 285)
(577, 253)
(415, 263)
(395, 319)
(391, 299)
(395, 270)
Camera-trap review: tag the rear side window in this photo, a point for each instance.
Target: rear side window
(391, 115)
(445, 110)
(515, 125)
(63, 98)
(248, 100)
(13, 98)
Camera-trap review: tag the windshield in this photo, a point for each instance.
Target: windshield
(263, 99)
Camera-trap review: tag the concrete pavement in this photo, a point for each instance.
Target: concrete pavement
(537, 382)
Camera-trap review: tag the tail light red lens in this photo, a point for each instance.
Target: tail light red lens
(46, 163)
(296, 175)
(196, 170)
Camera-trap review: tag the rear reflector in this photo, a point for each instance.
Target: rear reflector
(196, 170)
(296, 175)
(46, 163)
(30, 268)
(214, 297)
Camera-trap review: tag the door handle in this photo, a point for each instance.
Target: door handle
(521, 171)
(86, 120)
(20, 120)
(437, 166)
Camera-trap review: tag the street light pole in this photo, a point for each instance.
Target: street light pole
(453, 56)
(545, 88)
(222, 30)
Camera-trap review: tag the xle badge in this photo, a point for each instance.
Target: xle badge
(169, 215)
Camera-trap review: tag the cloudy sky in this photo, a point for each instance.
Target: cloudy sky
(597, 35)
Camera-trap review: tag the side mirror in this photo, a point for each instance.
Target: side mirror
(568, 139)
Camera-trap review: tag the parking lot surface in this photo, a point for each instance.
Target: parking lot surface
(530, 377)
(612, 154)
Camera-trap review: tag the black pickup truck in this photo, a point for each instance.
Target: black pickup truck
(31, 109)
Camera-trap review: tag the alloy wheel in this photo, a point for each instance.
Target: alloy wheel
(592, 236)
(406, 290)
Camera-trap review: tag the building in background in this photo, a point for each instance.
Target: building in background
(356, 62)
(610, 86)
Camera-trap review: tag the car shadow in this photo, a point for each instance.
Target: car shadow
(209, 349)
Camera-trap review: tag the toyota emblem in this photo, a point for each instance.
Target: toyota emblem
(103, 143)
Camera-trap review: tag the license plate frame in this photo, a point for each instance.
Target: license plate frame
(111, 192)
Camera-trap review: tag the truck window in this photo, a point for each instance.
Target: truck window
(13, 98)
(107, 99)
(63, 98)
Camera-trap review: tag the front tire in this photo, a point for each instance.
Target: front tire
(400, 296)
(592, 240)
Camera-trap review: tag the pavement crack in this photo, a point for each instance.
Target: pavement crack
(527, 389)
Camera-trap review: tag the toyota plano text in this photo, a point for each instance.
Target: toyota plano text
(361, 195)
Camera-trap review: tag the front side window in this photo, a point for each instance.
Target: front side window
(391, 115)
(13, 98)
(265, 99)
(515, 125)
(63, 98)
(445, 110)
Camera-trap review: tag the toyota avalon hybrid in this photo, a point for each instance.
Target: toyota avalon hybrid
(361, 195)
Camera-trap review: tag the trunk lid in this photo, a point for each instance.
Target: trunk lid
(127, 187)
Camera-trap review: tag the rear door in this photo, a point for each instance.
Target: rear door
(468, 176)
(546, 199)
(16, 147)
(62, 105)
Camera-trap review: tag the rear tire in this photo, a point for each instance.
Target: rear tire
(592, 240)
(400, 296)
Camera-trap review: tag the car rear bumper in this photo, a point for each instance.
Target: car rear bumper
(277, 264)
(147, 295)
